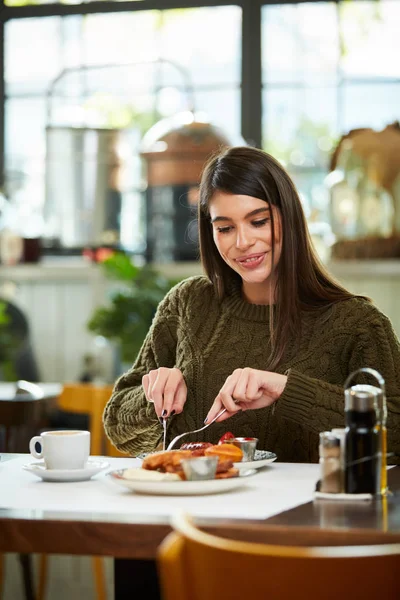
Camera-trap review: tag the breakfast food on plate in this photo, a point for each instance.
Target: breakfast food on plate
(225, 452)
(196, 448)
(146, 475)
(170, 461)
(165, 462)
(227, 436)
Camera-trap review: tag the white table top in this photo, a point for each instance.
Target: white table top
(273, 489)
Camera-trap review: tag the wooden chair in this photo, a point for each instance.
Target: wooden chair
(23, 362)
(196, 565)
(89, 399)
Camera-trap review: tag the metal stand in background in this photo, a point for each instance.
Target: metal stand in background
(87, 170)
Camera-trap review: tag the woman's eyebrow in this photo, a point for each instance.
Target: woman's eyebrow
(257, 211)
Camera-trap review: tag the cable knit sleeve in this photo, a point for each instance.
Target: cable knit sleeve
(319, 406)
(129, 419)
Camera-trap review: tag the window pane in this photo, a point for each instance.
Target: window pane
(25, 144)
(223, 110)
(29, 67)
(205, 41)
(120, 38)
(179, 36)
(381, 108)
(370, 38)
(299, 124)
(299, 42)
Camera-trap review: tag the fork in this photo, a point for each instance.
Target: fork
(181, 435)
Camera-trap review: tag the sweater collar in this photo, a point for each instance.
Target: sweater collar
(238, 306)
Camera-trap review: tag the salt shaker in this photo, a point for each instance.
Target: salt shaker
(330, 462)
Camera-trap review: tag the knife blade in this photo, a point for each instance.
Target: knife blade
(165, 432)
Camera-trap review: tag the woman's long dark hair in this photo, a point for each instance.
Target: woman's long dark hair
(302, 283)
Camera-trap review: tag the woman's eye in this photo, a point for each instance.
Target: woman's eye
(226, 229)
(261, 222)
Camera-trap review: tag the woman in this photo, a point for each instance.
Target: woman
(268, 329)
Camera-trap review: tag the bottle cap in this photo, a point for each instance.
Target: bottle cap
(361, 398)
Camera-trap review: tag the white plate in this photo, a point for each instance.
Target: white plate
(181, 488)
(92, 468)
(261, 459)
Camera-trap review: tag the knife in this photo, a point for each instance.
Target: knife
(164, 423)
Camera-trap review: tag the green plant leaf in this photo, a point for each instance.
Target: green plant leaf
(130, 311)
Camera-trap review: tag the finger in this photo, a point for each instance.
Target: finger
(255, 386)
(217, 408)
(214, 410)
(152, 376)
(226, 393)
(225, 415)
(224, 396)
(145, 384)
(180, 398)
(171, 386)
(239, 392)
(229, 402)
(157, 389)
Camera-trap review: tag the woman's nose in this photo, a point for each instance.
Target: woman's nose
(244, 239)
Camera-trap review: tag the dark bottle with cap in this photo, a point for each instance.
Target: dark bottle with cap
(362, 442)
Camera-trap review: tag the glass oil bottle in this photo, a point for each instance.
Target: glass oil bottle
(381, 419)
(362, 443)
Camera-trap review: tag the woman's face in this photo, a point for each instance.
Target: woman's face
(242, 232)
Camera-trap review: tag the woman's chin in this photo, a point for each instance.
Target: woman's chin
(256, 277)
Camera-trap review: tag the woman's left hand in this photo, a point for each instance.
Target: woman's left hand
(247, 389)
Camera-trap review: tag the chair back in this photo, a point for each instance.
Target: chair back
(20, 420)
(194, 565)
(89, 399)
(24, 365)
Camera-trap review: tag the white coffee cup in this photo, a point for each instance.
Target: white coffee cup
(62, 449)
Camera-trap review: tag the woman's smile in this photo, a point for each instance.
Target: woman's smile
(242, 232)
(252, 261)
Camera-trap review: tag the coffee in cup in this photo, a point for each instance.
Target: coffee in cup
(62, 449)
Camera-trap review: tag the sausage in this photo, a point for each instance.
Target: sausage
(196, 448)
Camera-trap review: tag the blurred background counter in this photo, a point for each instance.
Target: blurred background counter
(59, 296)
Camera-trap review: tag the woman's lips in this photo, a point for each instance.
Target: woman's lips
(252, 261)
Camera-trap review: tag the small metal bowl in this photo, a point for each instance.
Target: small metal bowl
(247, 445)
(200, 468)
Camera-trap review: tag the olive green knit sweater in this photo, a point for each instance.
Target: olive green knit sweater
(207, 339)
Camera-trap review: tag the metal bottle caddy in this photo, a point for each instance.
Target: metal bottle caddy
(364, 391)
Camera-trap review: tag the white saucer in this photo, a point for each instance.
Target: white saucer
(92, 468)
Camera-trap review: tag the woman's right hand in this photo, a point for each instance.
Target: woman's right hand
(166, 388)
